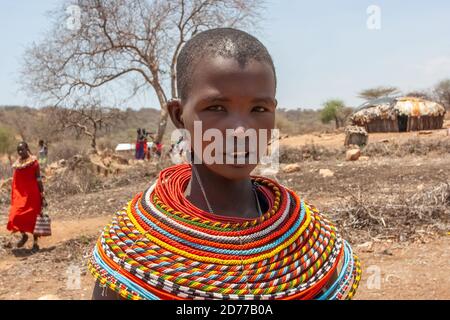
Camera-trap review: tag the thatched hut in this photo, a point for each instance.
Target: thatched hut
(399, 115)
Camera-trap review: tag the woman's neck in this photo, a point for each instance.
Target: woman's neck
(24, 159)
(233, 198)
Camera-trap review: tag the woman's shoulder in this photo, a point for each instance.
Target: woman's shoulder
(31, 161)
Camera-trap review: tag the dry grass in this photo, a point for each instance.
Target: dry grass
(71, 182)
(5, 170)
(414, 146)
(301, 121)
(80, 176)
(309, 152)
(66, 149)
(399, 216)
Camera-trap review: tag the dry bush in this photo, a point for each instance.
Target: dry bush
(136, 174)
(80, 176)
(401, 216)
(309, 152)
(419, 147)
(284, 124)
(379, 149)
(73, 182)
(5, 191)
(5, 170)
(105, 144)
(77, 177)
(8, 141)
(301, 121)
(65, 150)
(414, 146)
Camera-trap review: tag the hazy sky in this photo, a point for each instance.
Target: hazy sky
(321, 49)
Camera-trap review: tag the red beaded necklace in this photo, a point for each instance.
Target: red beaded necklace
(172, 194)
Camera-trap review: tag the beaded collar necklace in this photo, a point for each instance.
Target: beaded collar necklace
(197, 176)
(21, 164)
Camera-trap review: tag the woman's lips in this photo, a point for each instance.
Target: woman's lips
(240, 159)
(238, 154)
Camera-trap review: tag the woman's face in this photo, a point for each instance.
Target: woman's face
(228, 97)
(22, 151)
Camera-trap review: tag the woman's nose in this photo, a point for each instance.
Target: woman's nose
(239, 131)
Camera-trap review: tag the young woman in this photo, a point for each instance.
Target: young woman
(210, 230)
(27, 196)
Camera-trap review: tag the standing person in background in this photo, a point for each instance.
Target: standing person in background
(158, 148)
(27, 196)
(137, 144)
(42, 154)
(140, 145)
(145, 145)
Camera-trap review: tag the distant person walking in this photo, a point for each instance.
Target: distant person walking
(27, 196)
(42, 154)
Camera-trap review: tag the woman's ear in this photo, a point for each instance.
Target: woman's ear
(175, 110)
(276, 103)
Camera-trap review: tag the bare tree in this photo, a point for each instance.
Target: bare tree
(442, 93)
(30, 124)
(379, 92)
(19, 119)
(133, 41)
(88, 120)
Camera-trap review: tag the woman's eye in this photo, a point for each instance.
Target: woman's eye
(215, 108)
(259, 109)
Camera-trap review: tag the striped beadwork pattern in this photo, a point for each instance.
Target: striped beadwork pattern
(151, 250)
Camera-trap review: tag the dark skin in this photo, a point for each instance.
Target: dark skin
(223, 95)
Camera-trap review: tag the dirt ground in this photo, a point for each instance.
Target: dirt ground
(392, 269)
(333, 139)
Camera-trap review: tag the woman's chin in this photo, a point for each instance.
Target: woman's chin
(233, 171)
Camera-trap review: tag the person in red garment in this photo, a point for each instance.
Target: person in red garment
(27, 196)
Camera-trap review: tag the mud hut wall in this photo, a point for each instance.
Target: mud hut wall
(425, 123)
(382, 125)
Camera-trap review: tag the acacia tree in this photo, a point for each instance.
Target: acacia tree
(334, 109)
(379, 92)
(136, 41)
